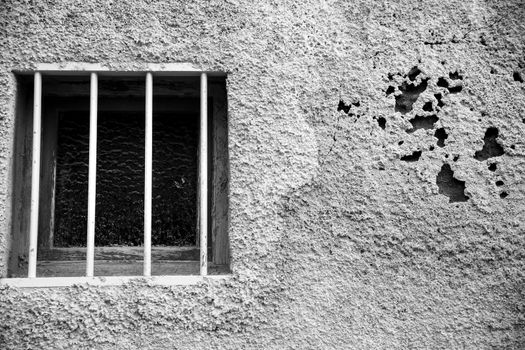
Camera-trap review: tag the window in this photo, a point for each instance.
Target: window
(112, 173)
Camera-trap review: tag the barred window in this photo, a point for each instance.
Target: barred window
(119, 175)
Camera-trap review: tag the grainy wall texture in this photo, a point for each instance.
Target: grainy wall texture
(377, 174)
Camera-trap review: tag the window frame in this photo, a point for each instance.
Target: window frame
(94, 71)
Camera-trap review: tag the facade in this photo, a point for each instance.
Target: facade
(375, 188)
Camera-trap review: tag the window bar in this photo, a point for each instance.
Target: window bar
(148, 175)
(92, 182)
(203, 176)
(35, 175)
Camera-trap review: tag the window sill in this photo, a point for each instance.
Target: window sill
(103, 268)
(49, 282)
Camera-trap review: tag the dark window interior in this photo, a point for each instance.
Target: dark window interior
(120, 179)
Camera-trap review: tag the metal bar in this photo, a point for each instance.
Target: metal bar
(92, 182)
(35, 175)
(203, 176)
(148, 174)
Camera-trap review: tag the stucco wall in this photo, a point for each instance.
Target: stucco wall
(336, 241)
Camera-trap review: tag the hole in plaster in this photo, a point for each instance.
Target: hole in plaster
(438, 98)
(343, 107)
(382, 122)
(346, 108)
(413, 73)
(455, 89)
(493, 167)
(491, 148)
(414, 157)
(513, 146)
(390, 90)
(455, 159)
(483, 41)
(441, 135)
(400, 143)
(492, 71)
(503, 195)
(427, 107)
(431, 148)
(451, 187)
(499, 183)
(421, 122)
(446, 155)
(442, 82)
(409, 95)
(455, 75)
(517, 77)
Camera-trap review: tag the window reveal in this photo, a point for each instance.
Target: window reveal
(135, 162)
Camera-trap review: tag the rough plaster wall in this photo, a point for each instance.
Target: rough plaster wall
(336, 242)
